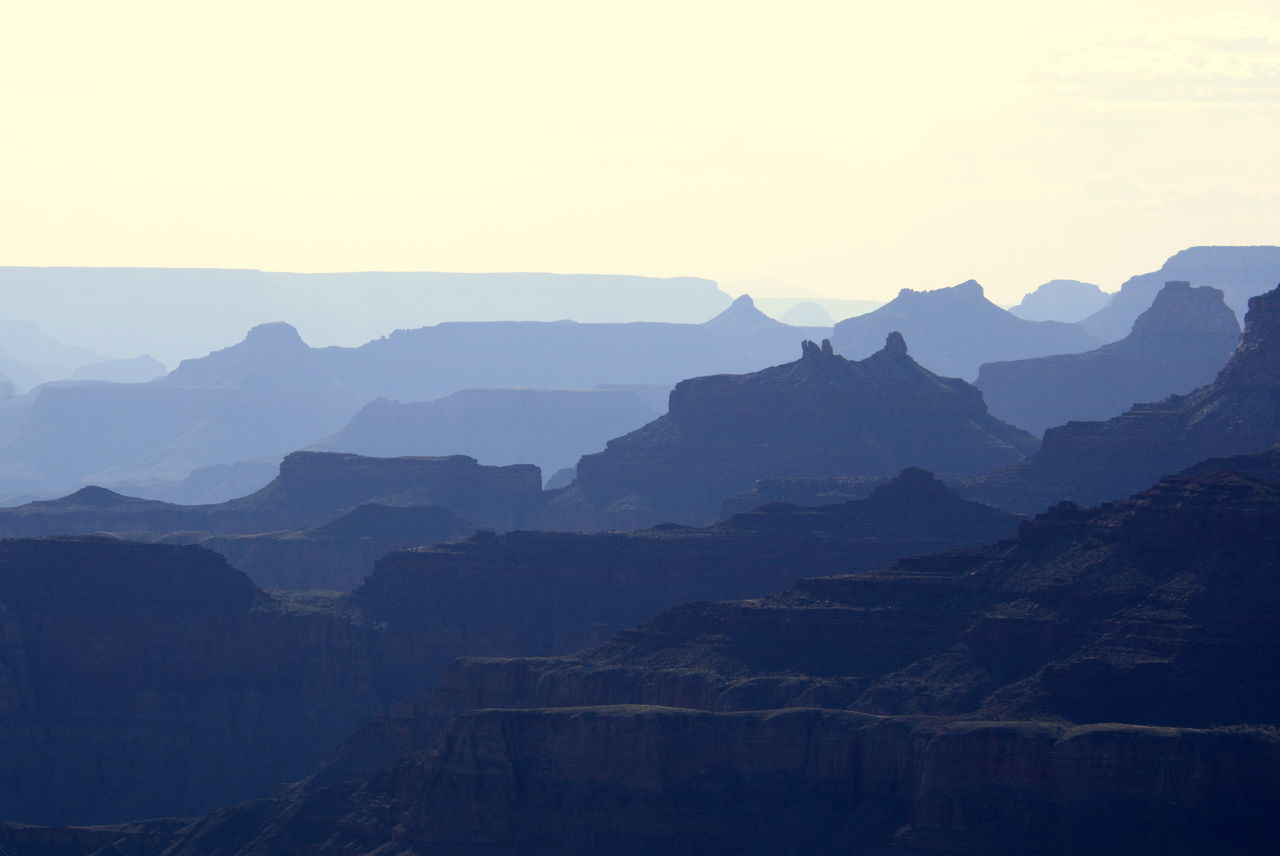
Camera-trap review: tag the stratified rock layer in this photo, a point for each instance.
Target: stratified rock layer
(819, 416)
(1081, 689)
(1091, 462)
(1176, 346)
(527, 593)
(139, 680)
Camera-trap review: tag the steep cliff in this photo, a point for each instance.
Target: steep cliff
(1177, 345)
(1239, 272)
(527, 593)
(143, 680)
(1081, 689)
(1092, 462)
(819, 416)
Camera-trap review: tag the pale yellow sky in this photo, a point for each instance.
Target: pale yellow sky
(846, 148)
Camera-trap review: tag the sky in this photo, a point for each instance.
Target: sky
(847, 149)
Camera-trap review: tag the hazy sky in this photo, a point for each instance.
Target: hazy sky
(848, 148)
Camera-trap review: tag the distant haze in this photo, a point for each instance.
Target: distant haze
(848, 149)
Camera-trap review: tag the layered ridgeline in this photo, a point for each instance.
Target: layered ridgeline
(1066, 300)
(272, 393)
(1092, 462)
(1239, 272)
(1177, 345)
(553, 592)
(118, 658)
(311, 488)
(955, 330)
(820, 416)
(1079, 689)
(550, 428)
(175, 312)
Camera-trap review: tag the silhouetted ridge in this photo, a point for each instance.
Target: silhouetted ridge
(1095, 461)
(817, 417)
(1178, 344)
(930, 707)
(743, 313)
(954, 330)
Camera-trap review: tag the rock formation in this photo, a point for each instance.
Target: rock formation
(527, 593)
(272, 393)
(1179, 344)
(337, 555)
(955, 330)
(1079, 689)
(1239, 272)
(117, 658)
(139, 680)
(555, 426)
(311, 488)
(820, 416)
(1067, 300)
(1091, 462)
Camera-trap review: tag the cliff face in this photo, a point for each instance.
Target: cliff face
(1240, 273)
(819, 416)
(1096, 461)
(144, 680)
(1070, 691)
(1177, 345)
(310, 489)
(531, 593)
(955, 330)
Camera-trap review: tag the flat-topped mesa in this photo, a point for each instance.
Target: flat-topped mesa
(821, 416)
(310, 489)
(313, 487)
(1090, 462)
(1178, 344)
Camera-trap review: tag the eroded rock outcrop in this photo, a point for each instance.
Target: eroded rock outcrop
(1080, 689)
(1178, 345)
(820, 416)
(527, 593)
(955, 330)
(1091, 462)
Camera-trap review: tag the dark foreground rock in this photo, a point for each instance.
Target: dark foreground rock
(139, 680)
(526, 593)
(1081, 689)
